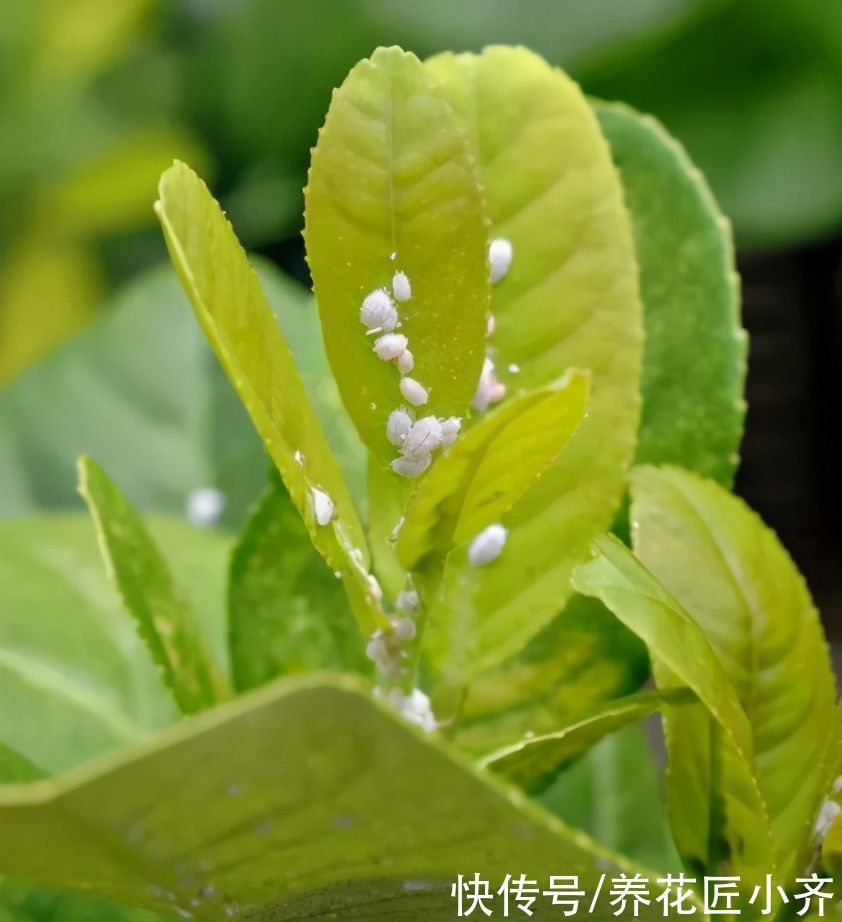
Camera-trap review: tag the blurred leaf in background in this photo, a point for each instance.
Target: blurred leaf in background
(78, 166)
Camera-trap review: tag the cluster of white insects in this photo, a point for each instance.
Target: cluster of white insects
(417, 438)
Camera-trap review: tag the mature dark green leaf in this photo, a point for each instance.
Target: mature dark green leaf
(236, 317)
(363, 816)
(694, 359)
(140, 574)
(570, 299)
(287, 611)
(392, 187)
(732, 575)
(75, 679)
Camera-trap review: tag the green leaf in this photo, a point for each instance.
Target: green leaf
(735, 579)
(490, 467)
(22, 902)
(15, 767)
(392, 186)
(140, 574)
(693, 411)
(533, 762)
(582, 659)
(75, 679)
(683, 655)
(287, 611)
(570, 299)
(596, 796)
(233, 311)
(365, 816)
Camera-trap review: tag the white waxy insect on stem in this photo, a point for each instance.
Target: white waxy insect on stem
(405, 362)
(490, 325)
(423, 438)
(411, 467)
(487, 545)
(391, 346)
(378, 312)
(489, 388)
(374, 587)
(401, 286)
(415, 707)
(408, 601)
(413, 392)
(500, 254)
(405, 629)
(323, 507)
(398, 427)
(450, 430)
(384, 651)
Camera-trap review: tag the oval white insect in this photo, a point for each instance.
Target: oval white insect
(378, 312)
(384, 651)
(405, 629)
(490, 325)
(413, 392)
(204, 506)
(408, 601)
(487, 545)
(401, 286)
(489, 388)
(398, 426)
(424, 437)
(450, 430)
(415, 707)
(405, 362)
(323, 506)
(374, 587)
(411, 467)
(391, 346)
(500, 254)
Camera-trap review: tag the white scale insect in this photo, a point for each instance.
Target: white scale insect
(414, 392)
(378, 312)
(500, 254)
(487, 545)
(323, 506)
(391, 346)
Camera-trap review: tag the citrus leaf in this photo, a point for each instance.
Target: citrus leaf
(735, 579)
(140, 574)
(570, 299)
(75, 679)
(682, 655)
(594, 795)
(582, 659)
(490, 467)
(367, 818)
(15, 767)
(693, 411)
(533, 762)
(287, 611)
(392, 187)
(238, 321)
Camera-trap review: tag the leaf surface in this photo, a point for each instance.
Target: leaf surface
(287, 611)
(366, 817)
(140, 574)
(392, 187)
(75, 679)
(570, 299)
(490, 467)
(724, 817)
(694, 359)
(732, 575)
(533, 762)
(236, 317)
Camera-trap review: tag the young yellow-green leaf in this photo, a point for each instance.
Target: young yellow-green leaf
(15, 767)
(693, 410)
(366, 818)
(533, 762)
(490, 467)
(393, 187)
(730, 572)
(570, 299)
(239, 323)
(287, 611)
(164, 618)
(736, 826)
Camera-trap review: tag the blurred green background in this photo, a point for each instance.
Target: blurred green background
(98, 96)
